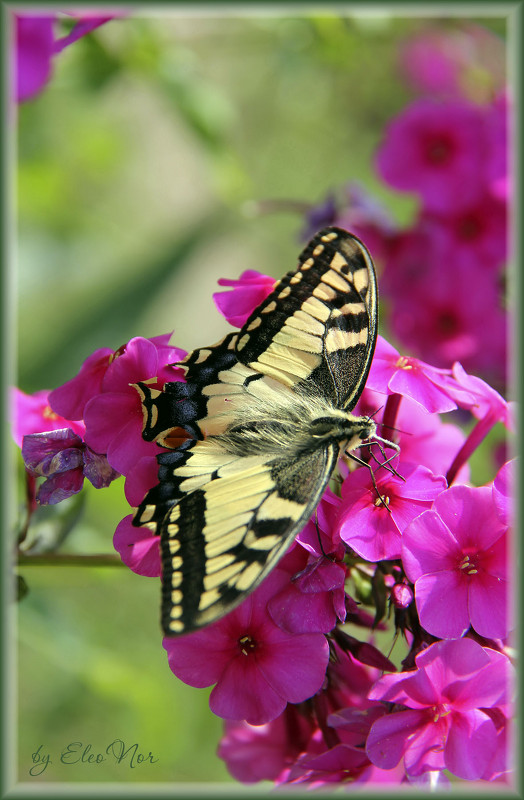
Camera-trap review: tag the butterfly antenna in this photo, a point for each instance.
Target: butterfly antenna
(383, 500)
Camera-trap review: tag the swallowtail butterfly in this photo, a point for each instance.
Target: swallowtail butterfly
(267, 413)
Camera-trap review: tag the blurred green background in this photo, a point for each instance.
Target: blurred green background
(139, 169)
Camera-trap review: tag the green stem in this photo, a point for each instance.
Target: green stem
(70, 560)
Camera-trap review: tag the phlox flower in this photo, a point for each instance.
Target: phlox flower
(71, 397)
(462, 63)
(409, 377)
(64, 460)
(248, 292)
(476, 236)
(447, 724)
(438, 150)
(367, 526)
(455, 554)
(265, 752)
(113, 417)
(257, 668)
(437, 317)
(31, 413)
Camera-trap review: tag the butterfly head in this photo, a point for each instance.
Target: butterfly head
(348, 430)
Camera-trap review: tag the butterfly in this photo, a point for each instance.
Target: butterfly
(256, 430)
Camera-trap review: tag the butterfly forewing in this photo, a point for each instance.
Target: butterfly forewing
(244, 473)
(316, 331)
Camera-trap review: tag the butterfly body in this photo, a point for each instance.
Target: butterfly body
(268, 410)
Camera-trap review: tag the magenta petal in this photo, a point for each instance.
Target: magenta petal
(200, 658)
(34, 49)
(471, 741)
(105, 416)
(138, 548)
(388, 737)
(424, 753)
(295, 666)
(442, 604)
(243, 693)
(138, 362)
(428, 546)
(140, 479)
(128, 447)
(415, 384)
(470, 514)
(488, 606)
(296, 612)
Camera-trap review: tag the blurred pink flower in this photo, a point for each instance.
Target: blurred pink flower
(455, 554)
(437, 150)
(31, 413)
(36, 45)
(475, 237)
(257, 667)
(248, 292)
(447, 724)
(265, 752)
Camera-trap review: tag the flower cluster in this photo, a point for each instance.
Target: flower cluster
(402, 546)
(304, 700)
(443, 276)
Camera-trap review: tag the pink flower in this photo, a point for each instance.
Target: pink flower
(367, 526)
(113, 417)
(257, 667)
(248, 292)
(409, 377)
(455, 554)
(447, 724)
(465, 62)
(438, 318)
(31, 413)
(432, 62)
(63, 459)
(437, 150)
(265, 752)
(71, 398)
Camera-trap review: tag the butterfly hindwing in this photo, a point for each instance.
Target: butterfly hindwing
(229, 530)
